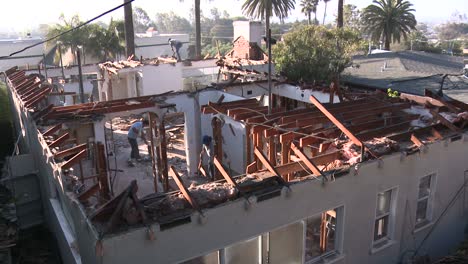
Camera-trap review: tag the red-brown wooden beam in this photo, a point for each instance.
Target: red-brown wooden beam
(82, 197)
(299, 165)
(52, 130)
(71, 151)
(444, 121)
(309, 163)
(36, 99)
(263, 159)
(224, 173)
(384, 131)
(335, 121)
(74, 160)
(185, 192)
(416, 141)
(59, 141)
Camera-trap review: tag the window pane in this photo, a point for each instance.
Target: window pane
(286, 244)
(421, 211)
(211, 258)
(381, 227)
(424, 186)
(243, 252)
(317, 233)
(383, 202)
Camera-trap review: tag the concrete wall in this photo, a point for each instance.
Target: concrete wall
(250, 30)
(250, 90)
(162, 78)
(356, 192)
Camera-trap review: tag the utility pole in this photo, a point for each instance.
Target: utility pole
(80, 75)
(129, 33)
(270, 99)
(197, 30)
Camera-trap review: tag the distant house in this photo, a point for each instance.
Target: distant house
(410, 72)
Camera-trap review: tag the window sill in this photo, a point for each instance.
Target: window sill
(422, 227)
(329, 259)
(385, 244)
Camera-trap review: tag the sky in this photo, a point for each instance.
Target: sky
(25, 15)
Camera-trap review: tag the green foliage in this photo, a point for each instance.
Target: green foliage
(451, 31)
(213, 50)
(352, 17)
(102, 41)
(389, 20)
(172, 23)
(392, 93)
(141, 20)
(312, 53)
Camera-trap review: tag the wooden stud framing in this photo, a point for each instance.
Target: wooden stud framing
(224, 173)
(416, 141)
(59, 141)
(444, 121)
(71, 151)
(52, 130)
(263, 159)
(309, 163)
(74, 160)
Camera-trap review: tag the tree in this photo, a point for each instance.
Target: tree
(340, 14)
(307, 9)
(325, 11)
(172, 23)
(264, 9)
(308, 53)
(71, 40)
(106, 42)
(141, 20)
(351, 17)
(389, 20)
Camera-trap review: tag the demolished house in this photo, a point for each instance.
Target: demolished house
(357, 177)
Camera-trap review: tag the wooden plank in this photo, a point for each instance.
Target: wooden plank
(318, 160)
(263, 159)
(74, 160)
(88, 193)
(59, 141)
(272, 150)
(52, 130)
(444, 121)
(251, 168)
(67, 152)
(335, 121)
(384, 131)
(310, 165)
(436, 133)
(224, 173)
(185, 192)
(37, 98)
(416, 141)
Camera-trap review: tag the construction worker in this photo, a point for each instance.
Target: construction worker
(207, 155)
(175, 46)
(135, 130)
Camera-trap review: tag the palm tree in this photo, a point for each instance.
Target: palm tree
(325, 11)
(307, 7)
(339, 23)
(314, 9)
(264, 9)
(389, 20)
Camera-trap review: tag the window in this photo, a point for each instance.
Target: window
(383, 217)
(423, 207)
(323, 233)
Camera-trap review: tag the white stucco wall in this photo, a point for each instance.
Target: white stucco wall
(161, 78)
(231, 222)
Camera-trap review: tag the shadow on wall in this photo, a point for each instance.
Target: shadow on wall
(6, 136)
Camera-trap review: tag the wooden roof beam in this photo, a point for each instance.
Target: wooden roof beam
(75, 159)
(67, 152)
(309, 163)
(59, 141)
(444, 121)
(52, 130)
(185, 192)
(264, 160)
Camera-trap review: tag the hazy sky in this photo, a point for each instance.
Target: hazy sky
(23, 15)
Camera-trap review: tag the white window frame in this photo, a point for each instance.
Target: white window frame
(381, 242)
(429, 199)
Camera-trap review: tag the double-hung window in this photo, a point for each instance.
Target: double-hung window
(424, 203)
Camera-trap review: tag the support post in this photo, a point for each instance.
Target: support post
(80, 76)
(152, 153)
(163, 154)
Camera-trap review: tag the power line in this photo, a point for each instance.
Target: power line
(70, 30)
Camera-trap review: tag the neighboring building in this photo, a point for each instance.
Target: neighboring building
(410, 72)
(368, 180)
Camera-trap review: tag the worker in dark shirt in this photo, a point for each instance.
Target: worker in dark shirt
(175, 46)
